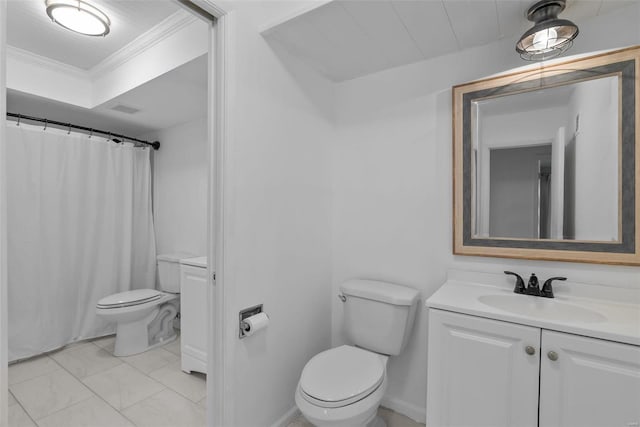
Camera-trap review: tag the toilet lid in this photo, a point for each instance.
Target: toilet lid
(342, 374)
(129, 298)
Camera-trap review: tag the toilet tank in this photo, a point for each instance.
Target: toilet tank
(169, 271)
(378, 316)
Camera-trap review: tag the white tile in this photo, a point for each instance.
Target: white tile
(46, 394)
(85, 360)
(173, 346)
(12, 400)
(29, 369)
(19, 418)
(166, 408)
(301, 422)
(394, 419)
(108, 342)
(151, 360)
(122, 386)
(92, 412)
(192, 386)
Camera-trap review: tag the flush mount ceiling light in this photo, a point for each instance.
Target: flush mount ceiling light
(550, 36)
(78, 16)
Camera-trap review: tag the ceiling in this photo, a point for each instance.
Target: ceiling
(345, 39)
(176, 97)
(29, 28)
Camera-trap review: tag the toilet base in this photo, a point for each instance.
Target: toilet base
(153, 329)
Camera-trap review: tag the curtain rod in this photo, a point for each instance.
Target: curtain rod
(154, 144)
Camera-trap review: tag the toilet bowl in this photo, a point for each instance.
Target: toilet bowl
(343, 387)
(144, 317)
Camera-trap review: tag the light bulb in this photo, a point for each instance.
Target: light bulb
(545, 39)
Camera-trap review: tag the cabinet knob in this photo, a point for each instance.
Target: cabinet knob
(552, 355)
(530, 350)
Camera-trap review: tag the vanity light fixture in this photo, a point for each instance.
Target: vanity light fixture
(79, 17)
(550, 36)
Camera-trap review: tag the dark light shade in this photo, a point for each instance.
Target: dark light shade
(550, 36)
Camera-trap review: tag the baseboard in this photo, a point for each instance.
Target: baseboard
(410, 410)
(287, 418)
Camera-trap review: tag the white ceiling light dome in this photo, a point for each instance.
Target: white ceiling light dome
(78, 16)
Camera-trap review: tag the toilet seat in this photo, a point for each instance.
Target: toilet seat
(129, 298)
(341, 376)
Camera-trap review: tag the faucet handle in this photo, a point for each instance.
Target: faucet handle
(519, 289)
(547, 289)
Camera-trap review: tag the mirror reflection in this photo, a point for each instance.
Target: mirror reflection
(546, 163)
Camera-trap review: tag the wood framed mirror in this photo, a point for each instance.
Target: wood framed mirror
(546, 162)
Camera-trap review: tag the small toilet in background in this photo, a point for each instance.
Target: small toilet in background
(144, 317)
(343, 386)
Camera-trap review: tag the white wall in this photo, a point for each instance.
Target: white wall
(277, 214)
(3, 226)
(596, 172)
(392, 186)
(180, 171)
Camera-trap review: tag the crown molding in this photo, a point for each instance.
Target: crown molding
(147, 40)
(21, 55)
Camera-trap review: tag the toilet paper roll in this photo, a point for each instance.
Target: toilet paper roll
(253, 324)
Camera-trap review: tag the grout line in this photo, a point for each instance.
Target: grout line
(25, 411)
(37, 376)
(96, 395)
(61, 409)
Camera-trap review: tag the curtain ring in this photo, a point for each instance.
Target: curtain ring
(109, 136)
(69, 129)
(19, 117)
(91, 134)
(46, 123)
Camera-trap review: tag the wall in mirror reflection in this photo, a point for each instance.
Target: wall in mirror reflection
(546, 163)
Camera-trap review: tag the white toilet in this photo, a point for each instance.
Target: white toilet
(144, 317)
(343, 386)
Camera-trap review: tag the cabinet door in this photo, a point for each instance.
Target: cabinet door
(479, 372)
(193, 318)
(592, 382)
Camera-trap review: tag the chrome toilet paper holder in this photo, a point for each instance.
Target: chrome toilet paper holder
(244, 314)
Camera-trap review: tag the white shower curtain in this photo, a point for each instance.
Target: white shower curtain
(80, 227)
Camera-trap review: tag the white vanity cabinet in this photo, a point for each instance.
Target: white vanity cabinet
(479, 373)
(484, 372)
(193, 314)
(591, 382)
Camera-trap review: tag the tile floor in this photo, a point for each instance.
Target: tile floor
(393, 419)
(85, 385)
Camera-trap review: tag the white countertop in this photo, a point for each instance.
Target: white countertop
(620, 307)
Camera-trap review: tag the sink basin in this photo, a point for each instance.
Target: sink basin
(542, 308)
